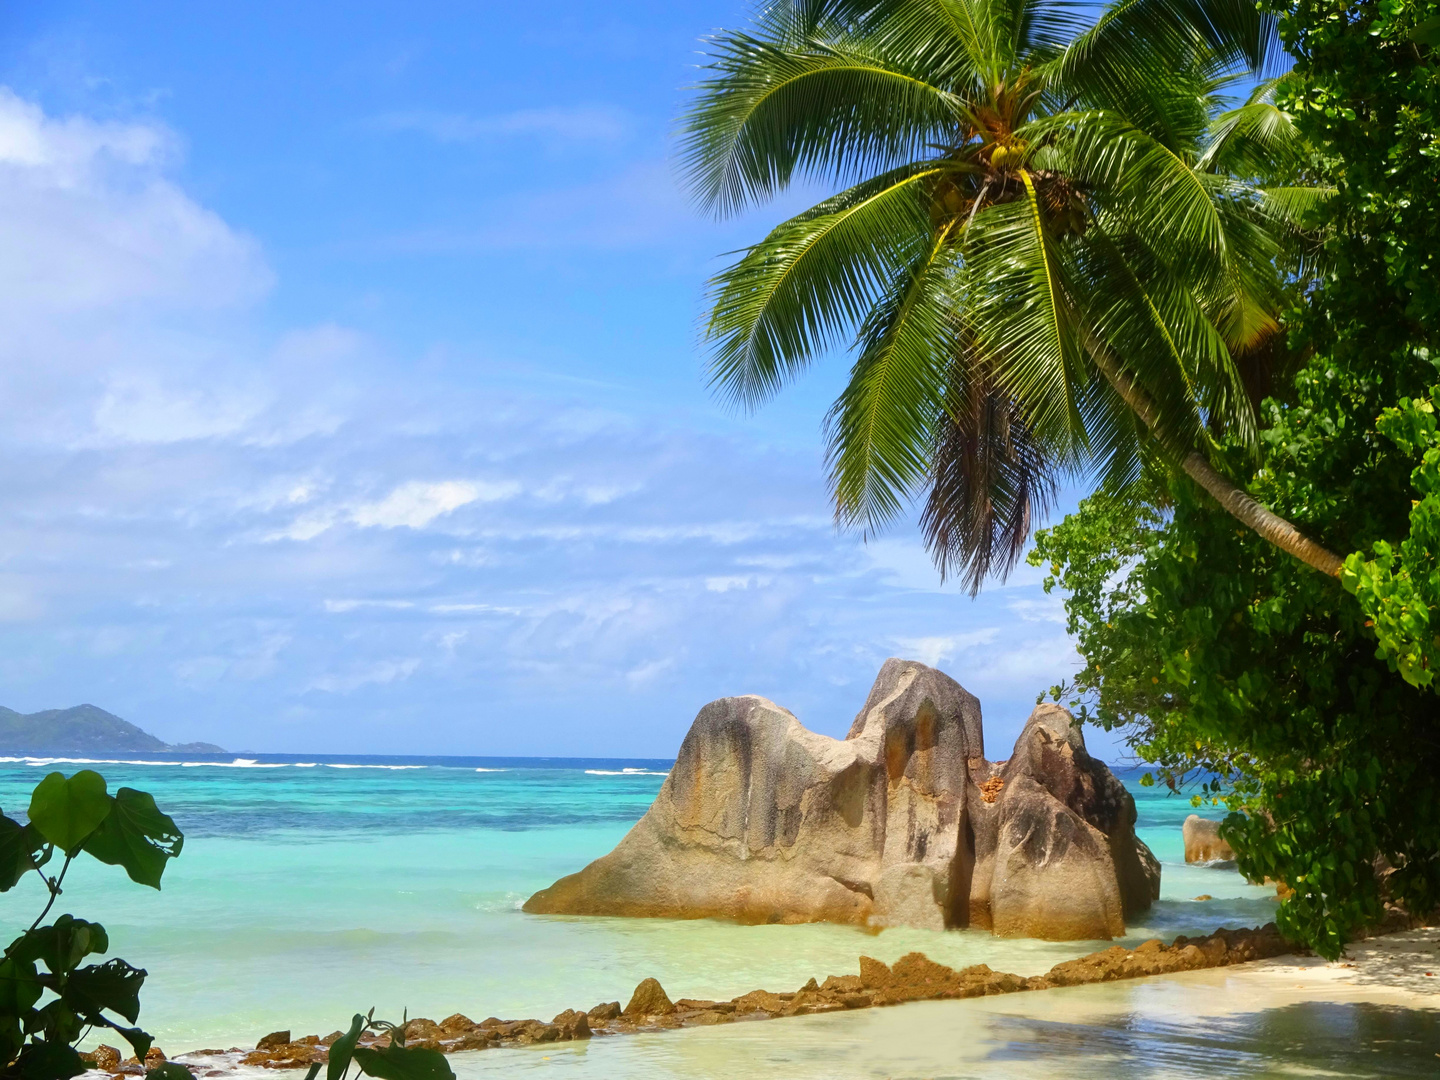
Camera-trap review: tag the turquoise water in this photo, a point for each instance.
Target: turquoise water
(313, 887)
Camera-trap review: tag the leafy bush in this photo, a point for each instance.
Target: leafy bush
(70, 817)
(1309, 714)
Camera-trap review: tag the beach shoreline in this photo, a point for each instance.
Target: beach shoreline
(1403, 964)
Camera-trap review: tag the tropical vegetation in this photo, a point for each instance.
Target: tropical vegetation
(1307, 707)
(1057, 249)
(49, 1002)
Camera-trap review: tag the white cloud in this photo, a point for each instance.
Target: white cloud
(936, 650)
(415, 504)
(647, 672)
(1049, 609)
(137, 409)
(88, 220)
(340, 607)
(736, 581)
(379, 674)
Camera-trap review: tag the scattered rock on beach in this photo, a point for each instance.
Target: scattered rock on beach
(106, 1058)
(457, 1024)
(902, 822)
(274, 1039)
(608, 1010)
(572, 1025)
(649, 999)
(1202, 841)
(913, 977)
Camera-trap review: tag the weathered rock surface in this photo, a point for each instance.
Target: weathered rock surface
(649, 999)
(1202, 841)
(902, 822)
(1056, 855)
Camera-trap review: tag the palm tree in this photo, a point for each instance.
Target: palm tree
(1050, 252)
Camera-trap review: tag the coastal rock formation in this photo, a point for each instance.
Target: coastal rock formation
(1203, 843)
(902, 822)
(913, 977)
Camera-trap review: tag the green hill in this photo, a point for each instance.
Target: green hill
(83, 729)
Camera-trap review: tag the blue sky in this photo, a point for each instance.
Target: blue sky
(353, 398)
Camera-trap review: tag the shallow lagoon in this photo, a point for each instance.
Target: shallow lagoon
(308, 890)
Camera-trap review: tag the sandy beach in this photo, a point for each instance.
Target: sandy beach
(1375, 1013)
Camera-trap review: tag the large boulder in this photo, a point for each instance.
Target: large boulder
(1202, 841)
(902, 822)
(1056, 855)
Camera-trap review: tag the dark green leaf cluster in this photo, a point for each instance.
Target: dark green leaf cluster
(1242, 674)
(48, 1000)
(393, 1061)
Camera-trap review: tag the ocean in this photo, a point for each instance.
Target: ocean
(313, 887)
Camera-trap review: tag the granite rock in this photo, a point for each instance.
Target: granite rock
(902, 822)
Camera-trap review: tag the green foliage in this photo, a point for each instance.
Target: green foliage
(394, 1061)
(72, 816)
(1035, 209)
(1247, 678)
(1400, 589)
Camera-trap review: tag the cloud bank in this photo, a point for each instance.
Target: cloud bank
(294, 538)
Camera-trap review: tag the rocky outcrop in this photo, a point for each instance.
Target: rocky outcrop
(1056, 855)
(902, 822)
(913, 977)
(1203, 843)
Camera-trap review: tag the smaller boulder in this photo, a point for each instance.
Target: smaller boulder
(1203, 843)
(572, 1025)
(273, 1040)
(107, 1058)
(456, 1024)
(649, 999)
(608, 1010)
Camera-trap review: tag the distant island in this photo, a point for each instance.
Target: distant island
(84, 729)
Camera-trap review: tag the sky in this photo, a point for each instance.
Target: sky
(354, 399)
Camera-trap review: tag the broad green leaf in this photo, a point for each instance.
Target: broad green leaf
(40, 1060)
(56, 1022)
(66, 811)
(19, 987)
(136, 836)
(401, 1063)
(342, 1049)
(1428, 32)
(64, 944)
(139, 1040)
(113, 985)
(20, 846)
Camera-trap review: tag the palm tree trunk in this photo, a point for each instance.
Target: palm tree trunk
(1266, 523)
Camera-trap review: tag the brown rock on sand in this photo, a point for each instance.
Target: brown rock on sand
(649, 999)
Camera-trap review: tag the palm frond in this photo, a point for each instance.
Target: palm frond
(990, 479)
(834, 112)
(879, 432)
(808, 285)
